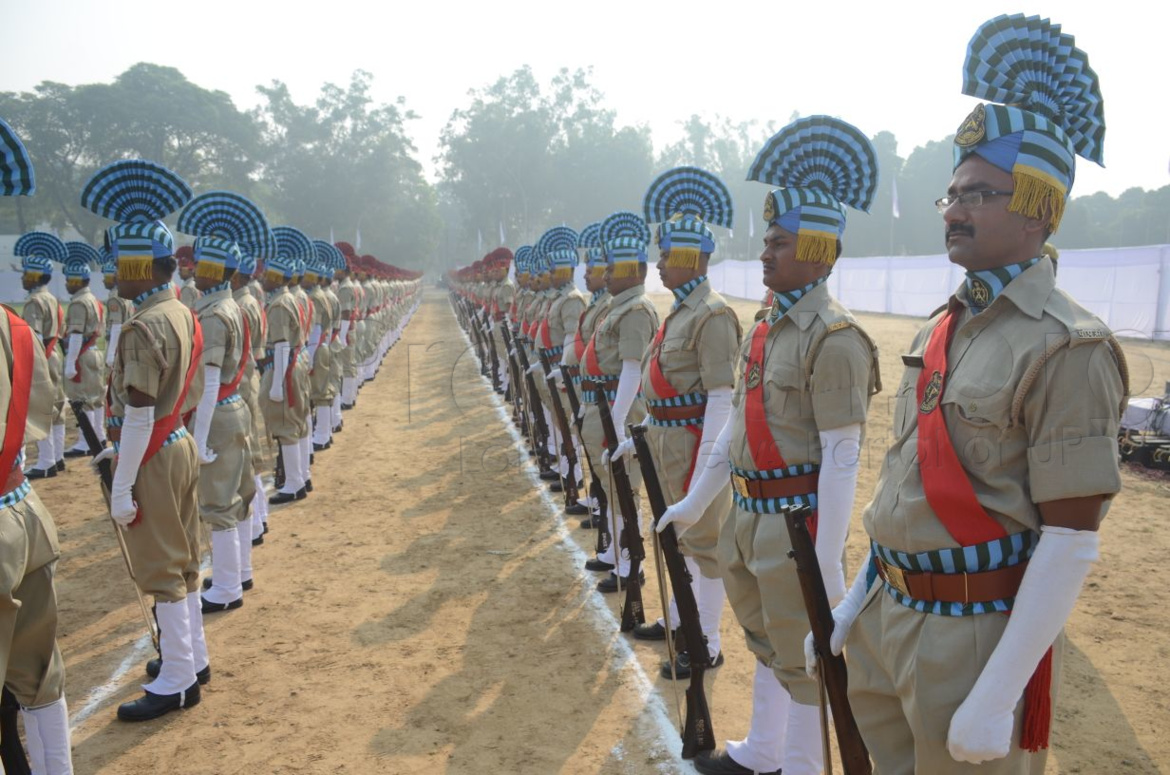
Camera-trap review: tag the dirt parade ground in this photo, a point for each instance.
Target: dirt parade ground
(425, 610)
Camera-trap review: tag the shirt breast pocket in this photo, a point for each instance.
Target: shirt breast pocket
(784, 391)
(980, 408)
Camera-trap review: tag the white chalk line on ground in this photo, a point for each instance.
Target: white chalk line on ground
(604, 619)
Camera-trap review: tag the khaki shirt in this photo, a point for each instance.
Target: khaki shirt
(284, 323)
(188, 293)
(154, 353)
(806, 392)
(347, 296)
(223, 333)
(41, 390)
(83, 315)
(563, 313)
(118, 310)
(324, 312)
(335, 304)
(626, 331)
(251, 309)
(1062, 443)
(587, 323)
(698, 351)
(503, 296)
(40, 312)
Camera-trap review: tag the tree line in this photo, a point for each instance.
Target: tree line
(518, 158)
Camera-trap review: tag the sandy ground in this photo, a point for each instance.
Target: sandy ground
(425, 611)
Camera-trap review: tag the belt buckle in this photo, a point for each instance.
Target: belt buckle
(739, 483)
(896, 578)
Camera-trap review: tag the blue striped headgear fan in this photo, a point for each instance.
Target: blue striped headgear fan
(590, 240)
(523, 260)
(292, 247)
(81, 258)
(821, 164)
(221, 220)
(38, 250)
(137, 194)
(1050, 110)
(685, 201)
(326, 258)
(252, 252)
(109, 265)
(16, 170)
(625, 235)
(559, 244)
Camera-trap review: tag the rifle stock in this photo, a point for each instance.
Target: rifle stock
(854, 755)
(604, 539)
(541, 427)
(568, 449)
(697, 734)
(631, 537)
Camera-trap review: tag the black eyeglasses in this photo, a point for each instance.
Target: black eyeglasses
(969, 199)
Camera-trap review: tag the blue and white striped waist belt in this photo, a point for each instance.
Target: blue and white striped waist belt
(233, 398)
(175, 435)
(957, 582)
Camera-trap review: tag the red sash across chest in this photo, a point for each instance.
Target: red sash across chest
(664, 390)
(21, 374)
(245, 357)
(762, 446)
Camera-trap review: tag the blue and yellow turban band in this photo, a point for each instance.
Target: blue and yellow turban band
(1051, 111)
(685, 201)
(822, 164)
(559, 245)
(625, 235)
(81, 258)
(38, 250)
(523, 260)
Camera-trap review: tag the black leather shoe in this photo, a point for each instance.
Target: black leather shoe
(320, 447)
(302, 493)
(610, 582)
(346, 407)
(265, 529)
(312, 458)
(153, 705)
(576, 510)
(60, 465)
(154, 666)
(258, 540)
(719, 762)
(550, 475)
(71, 453)
(653, 631)
(284, 497)
(339, 427)
(597, 565)
(247, 585)
(682, 664)
(40, 473)
(556, 486)
(589, 524)
(308, 485)
(214, 608)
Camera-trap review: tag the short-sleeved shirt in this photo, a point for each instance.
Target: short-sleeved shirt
(251, 310)
(563, 313)
(347, 296)
(324, 312)
(223, 332)
(154, 353)
(699, 345)
(40, 312)
(84, 315)
(503, 296)
(188, 293)
(284, 322)
(593, 311)
(118, 310)
(805, 392)
(1062, 444)
(41, 391)
(626, 331)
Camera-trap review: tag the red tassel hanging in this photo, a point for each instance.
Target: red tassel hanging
(1038, 706)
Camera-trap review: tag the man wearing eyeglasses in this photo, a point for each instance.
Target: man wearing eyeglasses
(1004, 458)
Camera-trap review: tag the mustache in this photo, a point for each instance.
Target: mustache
(961, 228)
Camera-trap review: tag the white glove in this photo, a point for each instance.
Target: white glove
(314, 341)
(345, 332)
(112, 343)
(557, 376)
(843, 615)
(840, 450)
(205, 411)
(981, 728)
(136, 428)
(712, 469)
(624, 448)
(280, 365)
(107, 453)
(534, 368)
(71, 354)
(629, 381)
(511, 352)
(581, 409)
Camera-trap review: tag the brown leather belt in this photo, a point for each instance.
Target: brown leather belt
(571, 371)
(982, 587)
(665, 413)
(788, 487)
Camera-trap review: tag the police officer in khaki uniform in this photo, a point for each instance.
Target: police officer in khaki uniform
(687, 377)
(321, 390)
(1004, 458)
(46, 317)
(83, 372)
(155, 379)
(806, 374)
(304, 365)
(283, 389)
(250, 391)
(347, 294)
(335, 263)
(31, 666)
(612, 362)
(188, 293)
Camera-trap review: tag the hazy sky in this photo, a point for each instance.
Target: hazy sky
(880, 65)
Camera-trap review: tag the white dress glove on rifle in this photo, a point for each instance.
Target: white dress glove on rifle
(981, 728)
(629, 381)
(204, 412)
(840, 451)
(534, 369)
(279, 366)
(345, 332)
(136, 428)
(72, 352)
(112, 343)
(843, 615)
(712, 469)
